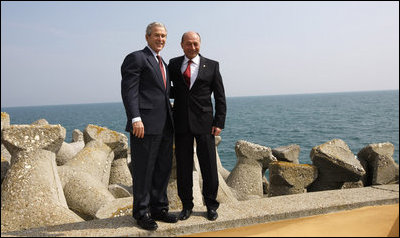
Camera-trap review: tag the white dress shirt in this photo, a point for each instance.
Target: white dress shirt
(155, 56)
(194, 68)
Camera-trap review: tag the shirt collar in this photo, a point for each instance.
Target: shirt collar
(152, 51)
(196, 60)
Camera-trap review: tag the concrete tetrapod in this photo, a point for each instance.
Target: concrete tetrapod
(247, 175)
(31, 193)
(85, 180)
(289, 178)
(336, 164)
(377, 160)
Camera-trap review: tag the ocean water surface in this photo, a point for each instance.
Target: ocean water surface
(308, 120)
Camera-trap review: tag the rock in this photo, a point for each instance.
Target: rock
(5, 120)
(114, 208)
(247, 175)
(120, 173)
(225, 193)
(288, 178)
(5, 165)
(68, 151)
(31, 193)
(85, 179)
(18, 138)
(94, 159)
(377, 160)
(5, 154)
(84, 193)
(265, 184)
(358, 184)
(289, 153)
(118, 142)
(336, 165)
(77, 136)
(119, 191)
(40, 122)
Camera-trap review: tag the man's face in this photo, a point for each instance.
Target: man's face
(156, 40)
(191, 45)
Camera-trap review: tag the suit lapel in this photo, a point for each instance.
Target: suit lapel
(153, 62)
(202, 68)
(179, 63)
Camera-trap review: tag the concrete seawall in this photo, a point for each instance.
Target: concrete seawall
(232, 215)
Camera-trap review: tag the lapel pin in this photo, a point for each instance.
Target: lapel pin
(204, 65)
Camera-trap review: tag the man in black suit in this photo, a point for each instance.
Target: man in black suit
(145, 93)
(194, 79)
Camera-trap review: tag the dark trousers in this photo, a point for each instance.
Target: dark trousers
(208, 166)
(151, 162)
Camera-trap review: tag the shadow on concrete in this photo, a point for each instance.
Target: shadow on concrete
(394, 232)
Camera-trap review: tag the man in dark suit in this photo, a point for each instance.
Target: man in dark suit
(194, 79)
(145, 93)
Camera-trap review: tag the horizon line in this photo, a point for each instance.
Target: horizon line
(285, 94)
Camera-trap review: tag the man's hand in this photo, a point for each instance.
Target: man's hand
(138, 129)
(216, 131)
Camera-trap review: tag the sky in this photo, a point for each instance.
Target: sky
(55, 53)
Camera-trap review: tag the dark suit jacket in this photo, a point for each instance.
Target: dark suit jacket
(143, 91)
(193, 108)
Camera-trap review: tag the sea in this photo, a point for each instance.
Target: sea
(308, 120)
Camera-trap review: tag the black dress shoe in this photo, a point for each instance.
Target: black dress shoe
(165, 217)
(185, 214)
(147, 223)
(212, 214)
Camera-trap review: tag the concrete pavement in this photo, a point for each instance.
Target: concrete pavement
(239, 214)
(371, 221)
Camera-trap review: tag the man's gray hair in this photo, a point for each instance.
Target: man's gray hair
(150, 26)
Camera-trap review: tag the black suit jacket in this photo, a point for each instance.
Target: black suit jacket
(143, 91)
(193, 109)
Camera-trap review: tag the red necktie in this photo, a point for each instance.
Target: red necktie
(187, 74)
(162, 70)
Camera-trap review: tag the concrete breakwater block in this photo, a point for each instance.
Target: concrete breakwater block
(115, 208)
(18, 138)
(84, 193)
(118, 142)
(94, 159)
(289, 153)
(31, 193)
(120, 173)
(68, 151)
(336, 165)
(246, 177)
(95, 182)
(377, 160)
(119, 191)
(85, 179)
(289, 178)
(5, 120)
